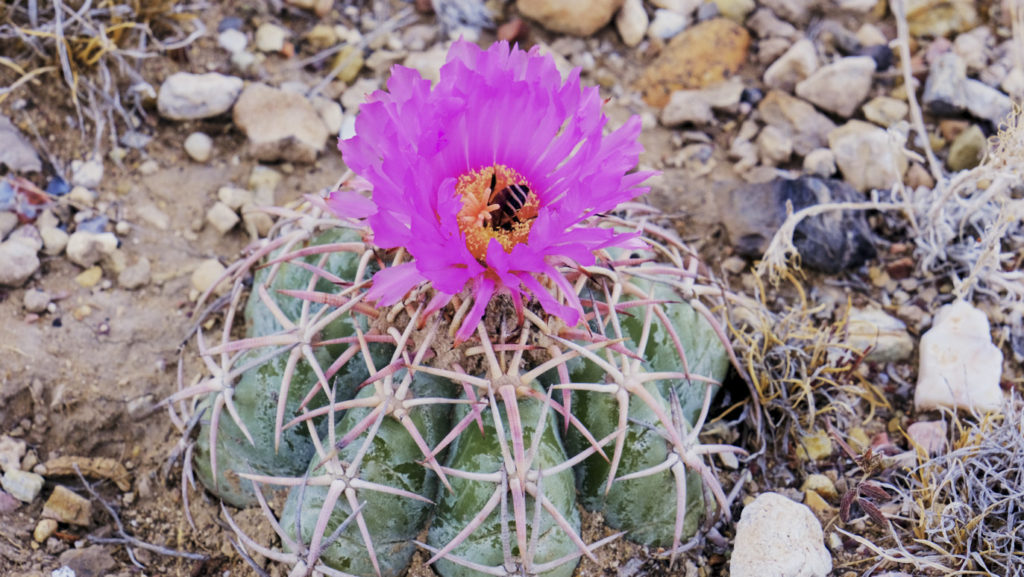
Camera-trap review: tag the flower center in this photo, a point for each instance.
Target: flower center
(497, 203)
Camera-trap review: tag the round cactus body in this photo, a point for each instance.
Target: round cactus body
(499, 538)
(383, 458)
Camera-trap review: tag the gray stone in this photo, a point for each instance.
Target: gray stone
(944, 90)
(22, 485)
(185, 96)
(795, 11)
(631, 22)
(87, 248)
(29, 235)
(765, 25)
(778, 537)
(34, 301)
(795, 65)
(866, 156)
(135, 276)
(18, 261)
(841, 86)
(986, 102)
(829, 242)
(199, 146)
(92, 561)
(805, 126)
(687, 107)
(330, 113)
(207, 273)
(16, 152)
(280, 125)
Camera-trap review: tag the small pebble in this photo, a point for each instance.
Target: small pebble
(44, 530)
(206, 274)
(82, 197)
(135, 276)
(87, 173)
(57, 187)
(222, 217)
(199, 146)
(270, 37)
(95, 225)
(35, 300)
(11, 452)
(82, 312)
(90, 277)
(232, 40)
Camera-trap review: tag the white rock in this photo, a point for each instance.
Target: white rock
(841, 86)
(795, 11)
(986, 102)
(972, 48)
(199, 146)
(820, 162)
(232, 40)
(1013, 83)
(684, 7)
(257, 222)
(866, 156)
(235, 198)
(348, 127)
(221, 217)
(774, 146)
(54, 240)
(87, 248)
(666, 24)
(777, 537)
(35, 301)
(18, 261)
(799, 62)
(22, 485)
(270, 37)
(428, 63)
(185, 96)
(81, 196)
(207, 273)
(330, 113)
(29, 235)
(88, 174)
(631, 22)
(808, 128)
(959, 368)
(11, 449)
(886, 336)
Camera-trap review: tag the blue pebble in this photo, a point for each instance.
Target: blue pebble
(57, 187)
(96, 224)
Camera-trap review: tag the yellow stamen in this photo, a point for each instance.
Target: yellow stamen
(478, 214)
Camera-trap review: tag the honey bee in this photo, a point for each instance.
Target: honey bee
(510, 200)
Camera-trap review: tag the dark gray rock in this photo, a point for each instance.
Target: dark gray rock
(830, 242)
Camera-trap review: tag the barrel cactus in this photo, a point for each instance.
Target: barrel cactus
(490, 337)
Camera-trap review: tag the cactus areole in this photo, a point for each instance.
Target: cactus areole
(463, 343)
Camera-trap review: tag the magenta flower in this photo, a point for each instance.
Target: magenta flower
(486, 178)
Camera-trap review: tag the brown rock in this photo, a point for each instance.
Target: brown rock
(576, 17)
(281, 125)
(66, 506)
(698, 57)
(797, 119)
(92, 561)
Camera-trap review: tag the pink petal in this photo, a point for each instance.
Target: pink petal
(350, 204)
(391, 284)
